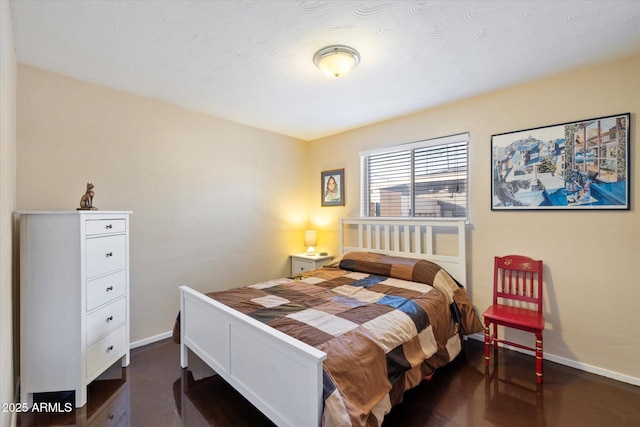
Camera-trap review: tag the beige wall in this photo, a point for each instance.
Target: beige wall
(7, 202)
(216, 204)
(592, 258)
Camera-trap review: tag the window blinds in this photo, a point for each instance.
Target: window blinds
(422, 179)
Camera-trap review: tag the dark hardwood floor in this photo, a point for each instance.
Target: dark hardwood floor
(154, 391)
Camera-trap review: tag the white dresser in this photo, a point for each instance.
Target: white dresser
(74, 299)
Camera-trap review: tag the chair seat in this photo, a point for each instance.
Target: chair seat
(516, 316)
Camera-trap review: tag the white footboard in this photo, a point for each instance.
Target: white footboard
(278, 374)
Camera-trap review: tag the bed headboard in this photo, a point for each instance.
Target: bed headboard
(439, 240)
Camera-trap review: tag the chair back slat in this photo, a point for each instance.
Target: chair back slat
(518, 278)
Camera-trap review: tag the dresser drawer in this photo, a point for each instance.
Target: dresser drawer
(105, 319)
(104, 226)
(300, 266)
(105, 254)
(106, 288)
(302, 263)
(106, 351)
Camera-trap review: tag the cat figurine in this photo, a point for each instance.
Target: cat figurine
(86, 201)
(506, 191)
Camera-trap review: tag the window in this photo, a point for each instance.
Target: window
(421, 179)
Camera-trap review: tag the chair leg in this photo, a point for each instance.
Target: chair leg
(539, 357)
(494, 338)
(487, 344)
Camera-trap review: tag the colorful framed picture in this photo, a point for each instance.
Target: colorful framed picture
(582, 165)
(332, 190)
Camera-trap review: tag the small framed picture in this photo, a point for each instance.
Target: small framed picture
(332, 191)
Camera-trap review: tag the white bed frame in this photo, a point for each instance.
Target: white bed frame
(278, 374)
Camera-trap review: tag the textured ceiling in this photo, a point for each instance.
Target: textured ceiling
(251, 61)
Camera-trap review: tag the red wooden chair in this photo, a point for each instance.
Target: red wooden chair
(517, 303)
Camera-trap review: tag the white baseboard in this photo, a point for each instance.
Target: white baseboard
(571, 363)
(150, 340)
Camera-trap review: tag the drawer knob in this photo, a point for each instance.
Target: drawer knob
(109, 227)
(110, 348)
(110, 288)
(109, 254)
(109, 319)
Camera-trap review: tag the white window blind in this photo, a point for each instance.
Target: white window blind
(421, 179)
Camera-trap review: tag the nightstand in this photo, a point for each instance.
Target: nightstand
(303, 262)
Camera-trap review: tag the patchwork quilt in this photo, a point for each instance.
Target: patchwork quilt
(384, 322)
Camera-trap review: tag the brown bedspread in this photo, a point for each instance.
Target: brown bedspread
(384, 322)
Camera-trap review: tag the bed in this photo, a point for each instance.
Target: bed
(382, 277)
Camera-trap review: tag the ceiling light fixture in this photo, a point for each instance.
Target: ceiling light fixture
(336, 60)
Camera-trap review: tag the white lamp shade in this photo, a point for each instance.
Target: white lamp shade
(310, 240)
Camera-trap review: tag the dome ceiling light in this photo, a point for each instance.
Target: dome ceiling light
(336, 60)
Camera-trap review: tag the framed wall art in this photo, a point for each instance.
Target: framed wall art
(570, 166)
(332, 191)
